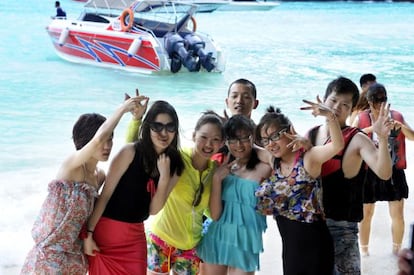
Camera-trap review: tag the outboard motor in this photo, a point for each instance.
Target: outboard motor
(196, 45)
(175, 46)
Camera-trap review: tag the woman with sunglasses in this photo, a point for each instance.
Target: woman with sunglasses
(293, 194)
(176, 229)
(394, 190)
(233, 242)
(139, 180)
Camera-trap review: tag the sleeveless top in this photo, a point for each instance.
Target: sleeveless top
(131, 198)
(342, 197)
(396, 139)
(297, 197)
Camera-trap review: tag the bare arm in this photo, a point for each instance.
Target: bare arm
(379, 160)
(165, 184)
(102, 135)
(216, 203)
(405, 128)
(137, 114)
(118, 166)
(319, 154)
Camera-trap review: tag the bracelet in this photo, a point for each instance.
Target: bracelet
(89, 231)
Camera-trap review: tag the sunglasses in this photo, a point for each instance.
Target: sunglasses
(159, 127)
(239, 139)
(273, 137)
(379, 99)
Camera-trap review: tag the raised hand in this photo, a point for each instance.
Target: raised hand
(297, 141)
(163, 164)
(383, 125)
(141, 107)
(318, 108)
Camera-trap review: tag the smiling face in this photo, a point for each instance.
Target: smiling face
(208, 140)
(276, 141)
(162, 139)
(241, 145)
(240, 100)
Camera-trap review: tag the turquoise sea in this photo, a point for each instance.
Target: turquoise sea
(290, 53)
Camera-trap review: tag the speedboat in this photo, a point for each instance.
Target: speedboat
(139, 36)
(248, 5)
(233, 5)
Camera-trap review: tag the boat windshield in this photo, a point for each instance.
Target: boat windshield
(163, 11)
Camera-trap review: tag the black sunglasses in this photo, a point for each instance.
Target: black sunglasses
(158, 127)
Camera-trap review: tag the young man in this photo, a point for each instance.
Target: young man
(241, 98)
(394, 190)
(342, 175)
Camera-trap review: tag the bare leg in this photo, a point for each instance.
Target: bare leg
(365, 228)
(236, 271)
(213, 269)
(396, 209)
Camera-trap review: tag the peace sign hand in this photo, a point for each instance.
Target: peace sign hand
(141, 107)
(318, 108)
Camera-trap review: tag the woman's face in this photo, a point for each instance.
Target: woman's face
(274, 140)
(241, 146)
(163, 131)
(208, 140)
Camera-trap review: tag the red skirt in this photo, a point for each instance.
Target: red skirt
(123, 248)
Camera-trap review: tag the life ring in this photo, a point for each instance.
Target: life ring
(194, 23)
(130, 13)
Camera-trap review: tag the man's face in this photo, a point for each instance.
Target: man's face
(341, 104)
(240, 100)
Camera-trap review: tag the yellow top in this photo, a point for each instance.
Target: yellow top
(132, 130)
(179, 223)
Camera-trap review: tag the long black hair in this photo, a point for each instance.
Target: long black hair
(149, 155)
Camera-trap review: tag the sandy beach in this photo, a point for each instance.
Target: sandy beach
(380, 262)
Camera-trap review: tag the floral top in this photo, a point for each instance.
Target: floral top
(58, 249)
(296, 197)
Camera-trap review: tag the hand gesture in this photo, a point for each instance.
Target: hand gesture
(225, 168)
(297, 141)
(163, 164)
(141, 107)
(318, 108)
(382, 126)
(89, 246)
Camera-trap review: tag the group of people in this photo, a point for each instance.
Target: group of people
(234, 175)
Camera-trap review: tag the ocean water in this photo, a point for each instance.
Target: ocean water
(290, 53)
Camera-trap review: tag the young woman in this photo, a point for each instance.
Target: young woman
(176, 229)
(139, 180)
(233, 242)
(293, 193)
(58, 249)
